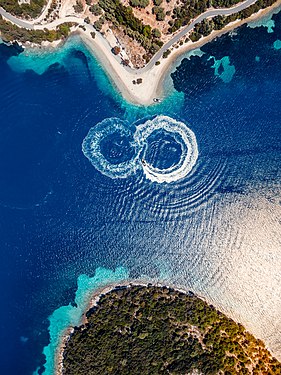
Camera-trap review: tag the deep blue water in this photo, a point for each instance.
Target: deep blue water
(116, 148)
(163, 150)
(216, 231)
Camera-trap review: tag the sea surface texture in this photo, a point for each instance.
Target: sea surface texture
(94, 190)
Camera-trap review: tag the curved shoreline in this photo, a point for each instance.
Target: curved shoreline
(100, 292)
(152, 76)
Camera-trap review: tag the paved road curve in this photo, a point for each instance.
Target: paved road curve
(186, 29)
(158, 55)
(15, 20)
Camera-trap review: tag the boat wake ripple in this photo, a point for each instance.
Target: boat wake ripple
(119, 150)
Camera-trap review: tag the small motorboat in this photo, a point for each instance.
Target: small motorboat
(157, 100)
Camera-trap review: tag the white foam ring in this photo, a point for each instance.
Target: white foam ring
(181, 133)
(91, 148)
(189, 148)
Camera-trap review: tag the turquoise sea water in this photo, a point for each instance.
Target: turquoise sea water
(70, 315)
(69, 225)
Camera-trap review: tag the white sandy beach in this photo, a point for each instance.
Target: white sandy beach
(152, 80)
(151, 77)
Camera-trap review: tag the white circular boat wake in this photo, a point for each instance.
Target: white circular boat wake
(111, 148)
(164, 148)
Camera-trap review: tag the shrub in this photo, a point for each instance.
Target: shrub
(96, 10)
(159, 12)
(156, 33)
(139, 3)
(99, 23)
(78, 7)
(166, 53)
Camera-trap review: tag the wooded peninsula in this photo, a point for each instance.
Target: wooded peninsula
(159, 330)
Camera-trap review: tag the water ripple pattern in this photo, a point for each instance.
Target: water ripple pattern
(118, 149)
(111, 149)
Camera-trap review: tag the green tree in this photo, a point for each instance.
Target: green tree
(139, 3)
(78, 7)
(156, 33)
(96, 10)
(159, 12)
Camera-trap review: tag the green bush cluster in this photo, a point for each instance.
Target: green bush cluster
(158, 330)
(156, 33)
(224, 3)
(78, 7)
(166, 53)
(139, 3)
(159, 13)
(183, 14)
(99, 23)
(10, 32)
(123, 16)
(96, 10)
(157, 2)
(31, 10)
(205, 27)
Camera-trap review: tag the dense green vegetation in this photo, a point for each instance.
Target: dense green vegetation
(205, 27)
(139, 3)
(156, 33)
(157, 2)
(96, 10)
(123, 16)
(31, 10)
(98, 24)
(10, 32)
(157, 330)
(183, 14)
(224, 3)
(159, 13)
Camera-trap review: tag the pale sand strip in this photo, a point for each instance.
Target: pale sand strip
(152, 80)
(123, 77)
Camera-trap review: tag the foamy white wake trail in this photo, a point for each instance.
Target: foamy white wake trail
(137, 139)
(196, 221)
(183, 135)
(92, 148)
